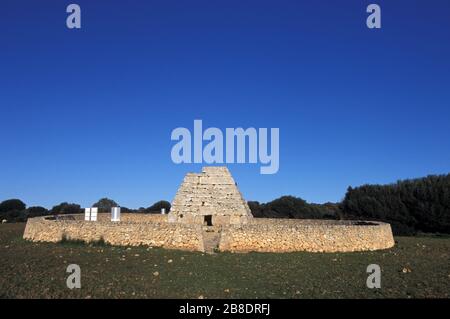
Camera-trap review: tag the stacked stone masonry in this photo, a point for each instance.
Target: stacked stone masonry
(211, 193)
(260, 235)
(133, 230)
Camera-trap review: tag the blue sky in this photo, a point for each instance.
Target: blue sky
(88, 113)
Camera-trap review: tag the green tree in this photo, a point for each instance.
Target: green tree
(410, 206)
(12, 205)
(35, 211)
(105, 204)
(66, 208)
(156, 207)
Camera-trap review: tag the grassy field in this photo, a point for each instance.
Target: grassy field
(417, 267)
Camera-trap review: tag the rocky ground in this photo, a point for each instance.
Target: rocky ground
(416, 267)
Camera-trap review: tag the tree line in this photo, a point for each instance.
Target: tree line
(410, 206)
(15, 210)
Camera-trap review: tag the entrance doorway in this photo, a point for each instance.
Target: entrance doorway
(207, 220)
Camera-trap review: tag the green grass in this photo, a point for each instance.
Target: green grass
(38, 270)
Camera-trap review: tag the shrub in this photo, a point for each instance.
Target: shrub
(256, 208)
(410, 206)
(36, 211)
(105, 204)
(156, 207)
(293, 207)
(66, 208)
(12, 204)
(126, 210)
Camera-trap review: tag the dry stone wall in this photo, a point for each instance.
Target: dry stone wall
(278, 235)
(124, 233)
(262, 235)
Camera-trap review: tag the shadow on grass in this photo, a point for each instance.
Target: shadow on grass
(78, 242)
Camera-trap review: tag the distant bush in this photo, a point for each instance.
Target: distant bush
(126, 210)
(105, 204)
(256, 208)
(293, 207)
(14, 216)
(66, 208)
(11, 205)
(35, 211)
(156, 207)
(13, 210)
(410, 206)
(23, 215)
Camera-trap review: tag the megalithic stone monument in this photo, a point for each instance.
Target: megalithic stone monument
(210, 198)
